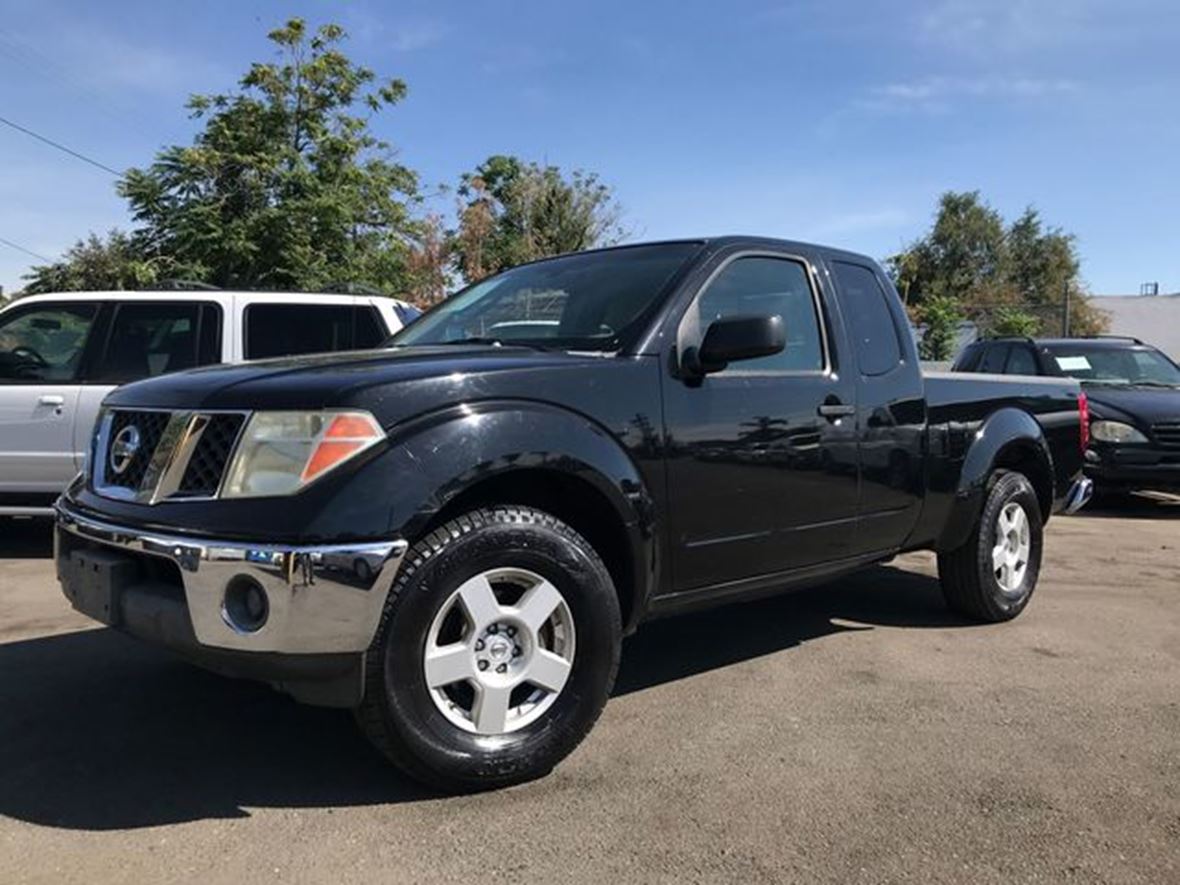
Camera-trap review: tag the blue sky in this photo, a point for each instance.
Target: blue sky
(829, 121)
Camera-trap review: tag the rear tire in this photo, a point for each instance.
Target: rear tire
(992, 576)
(496, 653)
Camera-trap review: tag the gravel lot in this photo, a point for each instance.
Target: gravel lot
(850, 733)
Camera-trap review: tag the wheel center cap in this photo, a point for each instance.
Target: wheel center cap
(499, 649)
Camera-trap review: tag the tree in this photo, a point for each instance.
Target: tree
(512, 212)
(940, 315)
(97, 264)
(1003, 278)
(1012, 321)
(285, 187)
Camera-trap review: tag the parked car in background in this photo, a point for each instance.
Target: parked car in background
(61, 354)
(452, 535)
(1134, 398)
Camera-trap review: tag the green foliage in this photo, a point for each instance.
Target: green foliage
(1012, 276)
(512, 211)
(95, 264)
(1012, 321)
(941, 315)
(285, 187)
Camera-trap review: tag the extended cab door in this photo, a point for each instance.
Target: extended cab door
(891, 407)
(43, 347)
(760, 479)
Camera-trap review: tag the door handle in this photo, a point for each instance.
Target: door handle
(51, 400)
(834, 410)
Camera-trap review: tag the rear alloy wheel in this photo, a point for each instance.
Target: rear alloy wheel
(992, 576)
(496, 653)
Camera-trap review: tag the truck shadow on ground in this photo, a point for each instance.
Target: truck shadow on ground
(1141, 505)
(26, 538)
(100, 732)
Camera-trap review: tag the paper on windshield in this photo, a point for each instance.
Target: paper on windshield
(1073, 363)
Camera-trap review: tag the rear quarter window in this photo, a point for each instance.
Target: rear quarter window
(274, 330)
(878, 349)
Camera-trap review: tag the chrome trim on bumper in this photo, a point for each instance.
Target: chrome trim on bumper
(321, 598)
(1079, 495)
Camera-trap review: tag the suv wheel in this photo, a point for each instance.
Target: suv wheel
(496, 653)
(993, 575)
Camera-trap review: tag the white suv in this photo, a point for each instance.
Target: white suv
(61, 354)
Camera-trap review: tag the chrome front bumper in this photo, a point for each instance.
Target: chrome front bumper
(1079, 494)
(320, 599)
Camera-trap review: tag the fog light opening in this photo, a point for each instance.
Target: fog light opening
(246, 606)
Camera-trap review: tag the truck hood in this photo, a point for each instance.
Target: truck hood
(1142, 405)
(357, 378)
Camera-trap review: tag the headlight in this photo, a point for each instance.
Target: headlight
(1116, 432)
(281, 452)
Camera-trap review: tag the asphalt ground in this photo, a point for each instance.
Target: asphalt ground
(855, 732)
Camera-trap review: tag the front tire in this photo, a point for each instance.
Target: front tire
(993, 575)
(496, 653)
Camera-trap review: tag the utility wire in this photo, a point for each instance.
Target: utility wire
(20, 248)
(61, 147)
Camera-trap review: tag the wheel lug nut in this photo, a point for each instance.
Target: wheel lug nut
(503, 668)
(511, 631)
(483, 665)
(516, 652)
(479, 645)
(494, 629)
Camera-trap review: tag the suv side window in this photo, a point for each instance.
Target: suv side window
(869, 318)
(291, 329)
(968, 360)
(993, 361)
(767, 286)
(1021, 361)
(45, 343)
(151, 338)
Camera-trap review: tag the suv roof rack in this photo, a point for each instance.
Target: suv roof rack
(1027, 338)
(345, 287)
(173, 285)
(1114, 337)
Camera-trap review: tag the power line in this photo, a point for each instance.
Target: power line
(61, 147)
(20, 248)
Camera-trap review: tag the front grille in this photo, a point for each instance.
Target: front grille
(181, 455)
(1167, 434)
(203, 475)
(150, 426)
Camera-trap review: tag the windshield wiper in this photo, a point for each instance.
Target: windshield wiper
(493, 342)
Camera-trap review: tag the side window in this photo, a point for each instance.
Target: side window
(1021, 362)
(869, 318)
(768, 287)
(994, 359)
(292, 329)
(968, 359)
(153, 338)
(370, 331)
(44, 344)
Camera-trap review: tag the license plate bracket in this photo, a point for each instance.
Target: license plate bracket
(93, 580)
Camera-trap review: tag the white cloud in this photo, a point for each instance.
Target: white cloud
(941, 94)
(991, 27)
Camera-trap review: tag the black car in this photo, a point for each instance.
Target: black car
(452, 535)
(1133, 391)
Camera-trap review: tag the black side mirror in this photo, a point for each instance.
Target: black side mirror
(735, 338)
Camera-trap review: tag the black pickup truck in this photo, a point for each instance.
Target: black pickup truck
(453, 534)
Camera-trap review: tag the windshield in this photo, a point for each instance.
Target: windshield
(587, 301)
(1115, 365)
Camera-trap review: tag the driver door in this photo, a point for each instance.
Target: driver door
(41, 351)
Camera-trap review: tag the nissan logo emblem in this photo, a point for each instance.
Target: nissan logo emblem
(123, 448)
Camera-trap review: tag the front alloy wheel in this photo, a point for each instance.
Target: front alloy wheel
(499, 651)
(496, 652)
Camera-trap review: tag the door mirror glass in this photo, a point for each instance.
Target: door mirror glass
(734, 338)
